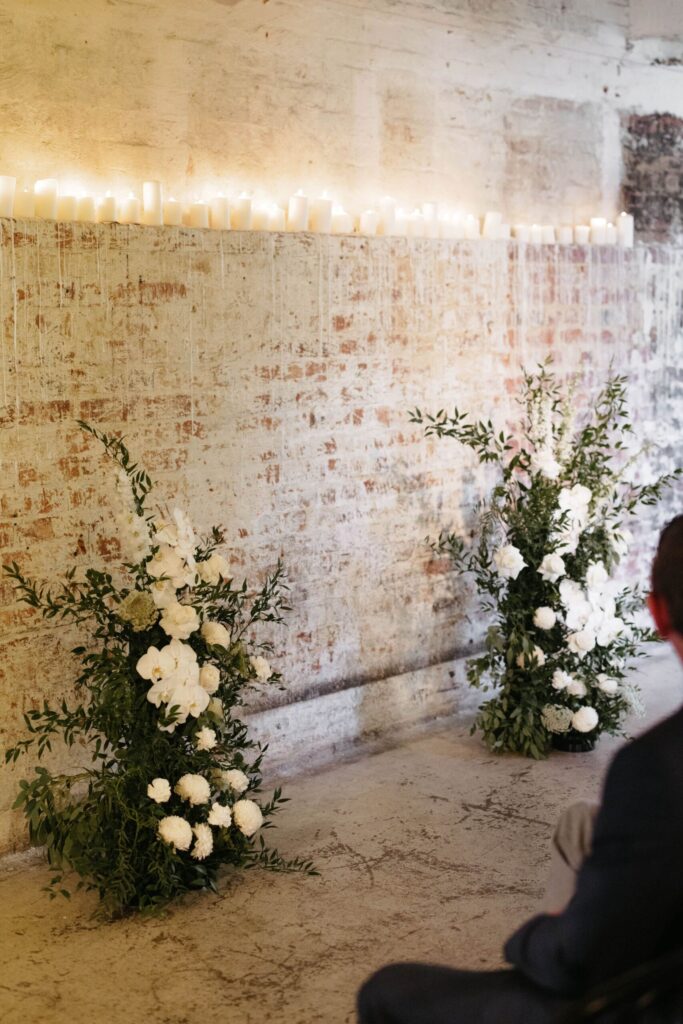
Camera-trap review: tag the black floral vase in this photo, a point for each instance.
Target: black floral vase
(574, 742)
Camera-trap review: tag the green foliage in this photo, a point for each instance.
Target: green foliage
(100, 822)
(561, 492)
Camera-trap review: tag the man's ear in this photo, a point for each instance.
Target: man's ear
(660, 614)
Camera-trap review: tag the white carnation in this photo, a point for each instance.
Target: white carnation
(561, 680)
(179, 620)
(209, 678)
(215, 634)
(552, 567)
(582, 642)
(607, 684)
(247, 816)
(233, 779)
(194, 788)
(508, 561)
(176, 832)
(544, 618)
(212, 569)
(585, 719)
(219, 816)
(261, 668)
(159, 790)
(556, 718)
(536, 657)
(203, 844)
(206, 739)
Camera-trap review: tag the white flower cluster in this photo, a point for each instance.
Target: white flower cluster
(590, 612)
(133, 529)
(176, 681)
(573, 512)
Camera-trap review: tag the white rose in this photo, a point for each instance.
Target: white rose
(544, 618)
(247, 816)
(581, 642)
(596, 576)
(508, 561)
(176, 832)
(212, 569)
(610, 628)
(537, 657)
(179, 620)
(159, 790)
(585, 719)
(194, 788)
(206, 739)
(155, 664)
(215, 634)
(543, 462)
(561, 680)
(552, 567)
(261, 668)
(209, 678)
(203, 844)
(232, 779)
(577, 688)
(219, 816)
(607, 684)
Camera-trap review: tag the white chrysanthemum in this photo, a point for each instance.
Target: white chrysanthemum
(607, 684)
(220, 816)
(535, 658)
(552, 567)
(212, 569)
(176, 832)
(155, 664)
(193, 788)
(261, 668)
(561, 680)
(544, 618)
(209, 678)
(556, 718)
(577, 688)
(203, 843)
(206, 739)
(247, 816)
(508, 561)
(179, 620)
(233, 779)
(585, 719)
(581, 643)
(159, 790)
(215, 634)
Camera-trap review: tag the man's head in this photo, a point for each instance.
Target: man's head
(666, 598)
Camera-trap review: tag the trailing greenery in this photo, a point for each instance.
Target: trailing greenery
(549, 538)
(169, 791)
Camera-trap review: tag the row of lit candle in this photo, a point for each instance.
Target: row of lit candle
(321, 215)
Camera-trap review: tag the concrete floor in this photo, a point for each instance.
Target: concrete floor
(433, 850)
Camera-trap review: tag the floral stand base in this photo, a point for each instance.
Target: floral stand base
(572, 743)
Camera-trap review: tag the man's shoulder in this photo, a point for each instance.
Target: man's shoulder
(658, 749)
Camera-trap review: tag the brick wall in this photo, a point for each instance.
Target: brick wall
(652, 186)
(264, 380)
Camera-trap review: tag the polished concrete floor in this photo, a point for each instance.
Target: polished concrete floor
(432, 850)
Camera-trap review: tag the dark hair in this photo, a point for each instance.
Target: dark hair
(667, 571)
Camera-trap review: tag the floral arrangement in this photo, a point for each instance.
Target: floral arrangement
(548, 540)
(170, 793)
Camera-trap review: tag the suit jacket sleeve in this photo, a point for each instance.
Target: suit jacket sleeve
(627, 889)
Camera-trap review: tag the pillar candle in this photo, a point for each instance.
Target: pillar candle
(276, 218)
(46, 198)
(8, 187)
(598, 230)
(198, 215)
(297, 212)
(492, 222)
(342, 222)
(25, 203)
(240, 213)
(416, 224)
(369, 222)
(387, 216)
(320, 218)
(625, 229)
(582, 234)
(259, 218)
(85, 209)
(565, 234)
(548, 234)
(611, 235)
(522, 232)
(472, 228)
(430, 219)
(219, 213)
(400, 222)
(536, 234)
(152, 211)
(66, 208)
(129, 210)
(106, 209)
(505, 232)
(456, 226)
(173, 212)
